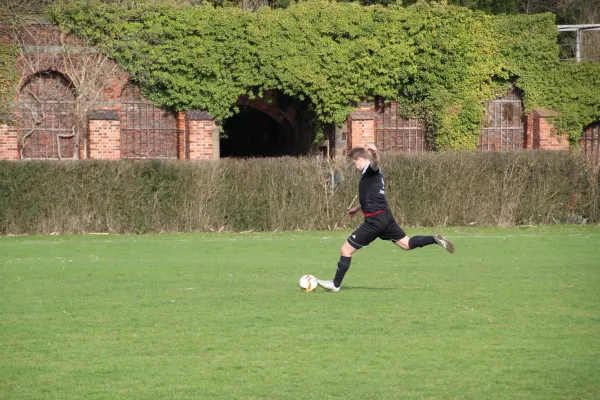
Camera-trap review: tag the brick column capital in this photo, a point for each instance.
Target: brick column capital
(198, 115)
(103, 115)
(545, 112)
(364, 111)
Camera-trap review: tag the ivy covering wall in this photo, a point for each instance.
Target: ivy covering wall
(8, 80)
(441, 62)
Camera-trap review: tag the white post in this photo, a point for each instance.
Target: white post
(578, 45)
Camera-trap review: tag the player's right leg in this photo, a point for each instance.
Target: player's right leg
(365, 234)
(343, 265)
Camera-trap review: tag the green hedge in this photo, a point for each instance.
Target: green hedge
(442, 62)
(288, 193)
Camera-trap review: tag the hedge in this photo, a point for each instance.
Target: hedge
(436, 189)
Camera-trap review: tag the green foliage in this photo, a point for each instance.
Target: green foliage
(8, 80)
(574, 90)
(441, 62)
(529, 46)
(433, 189)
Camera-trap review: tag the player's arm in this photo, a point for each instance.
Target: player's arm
(375, 162)
(353, 210)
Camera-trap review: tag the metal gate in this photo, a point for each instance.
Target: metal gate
(395, 133)
(590, 140)
(46, 117)
(503, 123)
(146, 131)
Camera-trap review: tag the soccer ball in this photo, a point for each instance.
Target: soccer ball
(308, 283)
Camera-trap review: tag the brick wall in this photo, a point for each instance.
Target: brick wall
(197, 133)
(41, 51)
(9, 144)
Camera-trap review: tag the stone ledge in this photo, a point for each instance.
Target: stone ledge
(545, 112)
(103, 115)
(362, 115)
(198, 115)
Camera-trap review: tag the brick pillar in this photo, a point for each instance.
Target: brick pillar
(9, 143)
(528, 142)
(181, 135)
(543, 133)
(361, 126)
(202, 136)
(104, 130)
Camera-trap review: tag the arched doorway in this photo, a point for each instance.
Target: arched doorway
(253, 133)
(274, 125)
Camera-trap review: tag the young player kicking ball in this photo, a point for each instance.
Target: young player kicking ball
(379, 221)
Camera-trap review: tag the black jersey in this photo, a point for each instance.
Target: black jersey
(371, 191)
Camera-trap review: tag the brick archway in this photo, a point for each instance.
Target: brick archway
(47, 123)
(275, 106)
(268, 126)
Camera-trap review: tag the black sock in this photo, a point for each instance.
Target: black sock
(420, 241)
(342, 268)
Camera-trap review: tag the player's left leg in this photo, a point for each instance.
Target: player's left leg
(400, 239)
(410, 243)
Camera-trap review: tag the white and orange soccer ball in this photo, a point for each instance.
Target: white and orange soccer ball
(308, 283)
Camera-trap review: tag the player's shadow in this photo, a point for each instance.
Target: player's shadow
(380, 288)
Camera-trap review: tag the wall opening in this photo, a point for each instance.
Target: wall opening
(274, 125)
(252, 133)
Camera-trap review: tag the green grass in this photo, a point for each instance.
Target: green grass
(514, 314)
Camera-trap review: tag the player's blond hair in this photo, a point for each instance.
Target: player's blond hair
(359, 152)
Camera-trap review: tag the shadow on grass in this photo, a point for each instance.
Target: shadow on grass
(380, 288)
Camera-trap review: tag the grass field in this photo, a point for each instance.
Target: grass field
(513, 314)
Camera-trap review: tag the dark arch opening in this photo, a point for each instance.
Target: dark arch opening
(253, 133)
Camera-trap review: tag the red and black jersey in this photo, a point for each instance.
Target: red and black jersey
(371, 191)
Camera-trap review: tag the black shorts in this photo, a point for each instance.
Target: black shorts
(382, 226)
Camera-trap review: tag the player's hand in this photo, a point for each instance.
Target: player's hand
(353, 210)
(371, 148)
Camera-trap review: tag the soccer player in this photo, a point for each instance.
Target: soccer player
(379, 221)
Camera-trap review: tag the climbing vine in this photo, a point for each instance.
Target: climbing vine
(441, 62)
